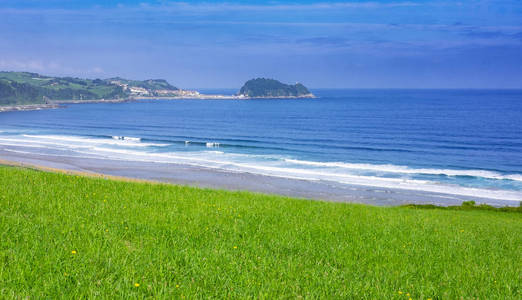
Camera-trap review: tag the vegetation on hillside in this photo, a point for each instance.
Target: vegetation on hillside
(468, 205)
(76, 237)
(149, 84)
(32, 88)
(263, 87)
(25, 88)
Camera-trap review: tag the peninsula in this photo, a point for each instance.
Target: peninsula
(22, 88)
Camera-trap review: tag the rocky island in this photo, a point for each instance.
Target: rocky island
(270, 88)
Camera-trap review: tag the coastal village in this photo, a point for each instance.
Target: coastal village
(137, 91)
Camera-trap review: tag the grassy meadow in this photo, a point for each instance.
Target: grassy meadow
(65, 236)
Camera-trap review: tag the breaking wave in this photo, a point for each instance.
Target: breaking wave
(372, 175)
(389, 168)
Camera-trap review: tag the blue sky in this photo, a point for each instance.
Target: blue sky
(352, 44)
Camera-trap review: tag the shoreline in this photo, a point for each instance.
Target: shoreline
(55, 104)
(27, 107)
(188, 175)
(16, 164)
(222, 97)
(72, 101)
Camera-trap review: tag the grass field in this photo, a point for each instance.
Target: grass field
(76, 237)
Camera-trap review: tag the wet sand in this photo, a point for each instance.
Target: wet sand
(220, 179)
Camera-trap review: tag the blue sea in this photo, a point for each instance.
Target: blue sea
(461, 142)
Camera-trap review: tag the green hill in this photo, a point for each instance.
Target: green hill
(32, 88)
(76, 237)
(150, 84)
(28, 88)
(265, 88)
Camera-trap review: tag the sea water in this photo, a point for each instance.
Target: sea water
(463, 142)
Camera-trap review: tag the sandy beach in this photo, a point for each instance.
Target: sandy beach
(220, 179)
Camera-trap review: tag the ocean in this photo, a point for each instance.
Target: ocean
(456, 142)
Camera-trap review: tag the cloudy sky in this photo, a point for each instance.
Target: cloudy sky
(340, 44)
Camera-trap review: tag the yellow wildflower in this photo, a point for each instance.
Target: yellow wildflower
(235, 247)
(177, 285)
(136, 284)
(73, 252)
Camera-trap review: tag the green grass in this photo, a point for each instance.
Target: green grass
(180, 242)
(25, 77)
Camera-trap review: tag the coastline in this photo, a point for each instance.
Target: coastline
(222, 97)
(122, 100)
(17, 164)
(202, 177)
(24, 107)
(54, 104)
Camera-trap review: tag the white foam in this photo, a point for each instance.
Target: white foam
(212, 145)
(126, 138)
(515, 177)
(315, 175)
(407, 170)
(54, 154)
(346, 173)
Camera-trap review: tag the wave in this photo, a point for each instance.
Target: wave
(389, 168)
(65, 140)
(134, 149)
(267, 144)
(203, 160)
(126, 138)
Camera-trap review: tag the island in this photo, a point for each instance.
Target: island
(271, 88)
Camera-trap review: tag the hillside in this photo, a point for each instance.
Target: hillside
(265, 88)
(32, 88)
(76, 237)
(150, 84)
